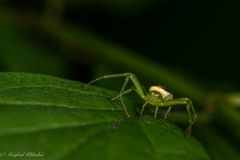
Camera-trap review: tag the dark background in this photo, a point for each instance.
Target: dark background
(199, 38)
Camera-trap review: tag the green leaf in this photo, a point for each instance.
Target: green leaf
(55, 118)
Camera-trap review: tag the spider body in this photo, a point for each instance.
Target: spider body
(156, 96)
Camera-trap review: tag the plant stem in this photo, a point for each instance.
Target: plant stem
(103, 51)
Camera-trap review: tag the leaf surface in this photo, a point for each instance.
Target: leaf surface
(60, 119)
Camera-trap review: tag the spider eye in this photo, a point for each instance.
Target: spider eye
(155, 94)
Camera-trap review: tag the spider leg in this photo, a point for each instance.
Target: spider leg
(166, 114)
(121, 99)
(128, 76)
(121, 94)
(108, 76)
(189, 107)
(143, 107)
(124, 107)
(192, 118)
(156, 111)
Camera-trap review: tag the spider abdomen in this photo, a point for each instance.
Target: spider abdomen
(155, 102)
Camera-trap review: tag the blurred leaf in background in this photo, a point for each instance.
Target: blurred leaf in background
(20, 52)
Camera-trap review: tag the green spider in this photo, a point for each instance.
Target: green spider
(156, 96)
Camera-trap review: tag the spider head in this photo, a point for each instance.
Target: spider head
(158, 93)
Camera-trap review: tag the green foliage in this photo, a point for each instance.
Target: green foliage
(61, 37)
(63, 120)
(19, 52)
